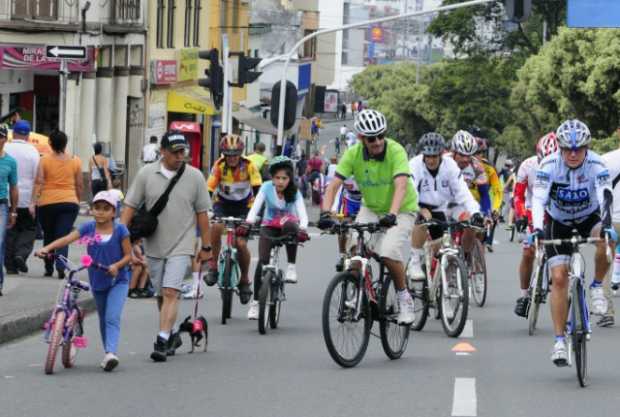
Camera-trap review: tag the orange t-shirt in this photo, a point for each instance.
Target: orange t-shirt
(59, 180)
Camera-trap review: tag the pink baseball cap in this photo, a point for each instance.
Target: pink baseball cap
(106, 196)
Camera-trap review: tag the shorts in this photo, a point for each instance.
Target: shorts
(168, 272)
(391, 243)
(560, 254)
(228, 209)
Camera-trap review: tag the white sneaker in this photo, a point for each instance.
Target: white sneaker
(414, 269)
(191, 295)
(559, 355)
(406, 313)
(110, 361)
(253, 311)
(598, 300)
(291, 274)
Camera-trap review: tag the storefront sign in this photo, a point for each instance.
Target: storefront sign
(188, 64)
(34, 57)
(331, 102)
(190, 102)
(163, 71)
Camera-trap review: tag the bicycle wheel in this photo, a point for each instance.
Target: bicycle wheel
(580, 331)
(454, 298)
(420, 296)
(478, 275)
(264, 300)
(55, 339)
(346, 335)
(226, 290)
(535, 299)
(69, 351)
(276, 305)
(394, 337)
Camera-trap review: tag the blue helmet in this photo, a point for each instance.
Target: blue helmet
(573, 134)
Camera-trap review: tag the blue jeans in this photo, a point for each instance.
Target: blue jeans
(110, 305)
(4, 219)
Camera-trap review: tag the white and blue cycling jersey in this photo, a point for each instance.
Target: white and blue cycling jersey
(569, 195)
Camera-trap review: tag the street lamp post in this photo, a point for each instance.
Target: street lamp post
(290, 53)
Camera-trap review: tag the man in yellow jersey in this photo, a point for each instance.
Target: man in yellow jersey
(495, 189)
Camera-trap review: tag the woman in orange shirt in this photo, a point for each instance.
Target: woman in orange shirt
(57, 192)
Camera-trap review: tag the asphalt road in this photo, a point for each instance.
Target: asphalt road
(288, 372)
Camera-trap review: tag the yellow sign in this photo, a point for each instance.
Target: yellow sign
(190, 100)
(188, 64)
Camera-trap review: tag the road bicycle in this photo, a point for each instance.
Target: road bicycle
(271, 294)
(445, 287)
(578, 328)
(354, 299)
(229, 271)
(539, 287)
(477, 272)
(65, 326)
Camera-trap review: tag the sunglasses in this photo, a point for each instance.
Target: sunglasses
(575, 150)
(372, 139)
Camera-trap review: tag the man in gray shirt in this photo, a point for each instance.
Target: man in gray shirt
(169, 250)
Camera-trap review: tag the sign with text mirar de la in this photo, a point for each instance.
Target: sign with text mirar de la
(593, 13)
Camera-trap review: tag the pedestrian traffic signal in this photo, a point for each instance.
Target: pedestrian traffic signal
(214, 76)
(246, 65)
(290, 105)
(518, 10)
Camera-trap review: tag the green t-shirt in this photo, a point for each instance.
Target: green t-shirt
(258, 160)
(375, 177)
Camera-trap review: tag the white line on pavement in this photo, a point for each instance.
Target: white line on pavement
(464, 403)
(468, 330)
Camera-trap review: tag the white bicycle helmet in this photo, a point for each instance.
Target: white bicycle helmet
(370, 123)
(573, 134)
(464, 143)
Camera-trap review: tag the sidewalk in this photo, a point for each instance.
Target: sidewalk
(29, 298)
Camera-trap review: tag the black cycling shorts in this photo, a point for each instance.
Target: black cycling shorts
(228, 209)
(557, 230)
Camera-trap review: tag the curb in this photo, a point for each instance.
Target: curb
(33, 321)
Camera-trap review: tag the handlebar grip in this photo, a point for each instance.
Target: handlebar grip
(82, 285)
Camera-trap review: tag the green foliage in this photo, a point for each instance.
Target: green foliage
(605, 145)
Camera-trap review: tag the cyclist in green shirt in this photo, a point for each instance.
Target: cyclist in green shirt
(381, 170)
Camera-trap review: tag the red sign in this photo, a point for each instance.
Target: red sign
(163, 71)
(185, 127)
(33, 57)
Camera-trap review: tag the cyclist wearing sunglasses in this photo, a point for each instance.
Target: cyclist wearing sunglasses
(573, 188)
(381, 170)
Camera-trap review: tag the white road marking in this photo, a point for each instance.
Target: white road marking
(464, 403)
(463, 353)
(468, 330)
(9, 377)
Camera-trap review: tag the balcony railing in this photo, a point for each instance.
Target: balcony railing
(52, 10)
(127, 11)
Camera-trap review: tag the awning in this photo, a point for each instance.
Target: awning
(255, 121)
(191, 100)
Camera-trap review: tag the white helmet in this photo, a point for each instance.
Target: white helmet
(370, 123)
(464, 143)
(573, 134)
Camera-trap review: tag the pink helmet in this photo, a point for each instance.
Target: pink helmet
(547, 145)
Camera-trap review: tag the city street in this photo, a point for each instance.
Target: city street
(289, 372)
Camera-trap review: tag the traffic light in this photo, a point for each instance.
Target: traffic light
(290, 105)
(214, 76)
(246, 65)
(518, 10)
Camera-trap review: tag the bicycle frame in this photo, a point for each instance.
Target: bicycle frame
(229, 249)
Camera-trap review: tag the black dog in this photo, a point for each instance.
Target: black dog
(196, 334)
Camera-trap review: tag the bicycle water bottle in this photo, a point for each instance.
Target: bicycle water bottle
(615, 276)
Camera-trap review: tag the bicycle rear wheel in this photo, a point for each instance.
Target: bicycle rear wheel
(276, 304)
(264, 301)
(478, 275)
(580, 331)
(454, 301)
(226, 290)
(346, 335)
(69, 351)
(535, 299)
(55, 339)
(420, 296)
(394, 337)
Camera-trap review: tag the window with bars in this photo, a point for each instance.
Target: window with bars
(159, 35)
(187, 37)
(34, 9)
(170, 29)
(197, 13)
(127, 10)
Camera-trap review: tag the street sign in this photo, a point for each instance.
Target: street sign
(593, 13)
(66, 52)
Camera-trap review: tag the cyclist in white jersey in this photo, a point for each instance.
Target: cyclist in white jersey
(438, 181)
(526, 177)
(573, 188)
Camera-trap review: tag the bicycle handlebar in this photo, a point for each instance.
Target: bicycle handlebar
(465, 224)
(359, 227)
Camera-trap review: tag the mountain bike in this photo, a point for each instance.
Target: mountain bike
(446, 286)
(229, 271)
(271, 293)
(578, 328)
(65, 326)
(539, 287)
(354, 299)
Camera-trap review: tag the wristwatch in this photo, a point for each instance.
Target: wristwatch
(206, 248)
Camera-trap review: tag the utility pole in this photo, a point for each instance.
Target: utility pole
(62, 100)
(226, 107)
